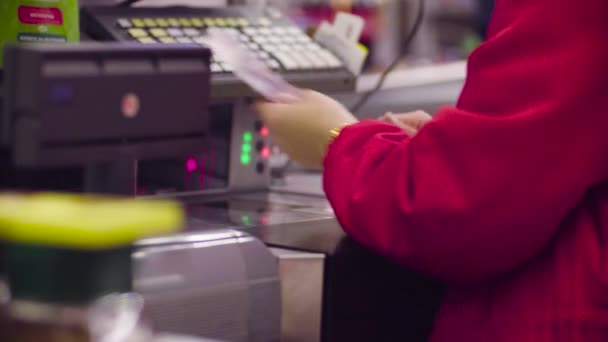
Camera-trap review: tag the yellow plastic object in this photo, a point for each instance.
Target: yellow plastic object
(363, 48)
(84, 222)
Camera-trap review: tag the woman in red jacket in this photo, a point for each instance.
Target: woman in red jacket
(505, 196)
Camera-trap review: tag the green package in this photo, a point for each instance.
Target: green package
(38, 21)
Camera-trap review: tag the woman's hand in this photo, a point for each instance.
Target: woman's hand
(301, 127)
(411, 122)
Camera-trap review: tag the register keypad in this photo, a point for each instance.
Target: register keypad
(280, 48)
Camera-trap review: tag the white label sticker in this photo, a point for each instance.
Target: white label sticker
(349, 26)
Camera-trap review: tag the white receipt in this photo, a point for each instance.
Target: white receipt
(248, 68)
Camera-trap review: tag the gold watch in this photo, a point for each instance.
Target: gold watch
(333, 134)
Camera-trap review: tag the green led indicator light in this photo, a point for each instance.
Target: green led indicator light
(245, 159)
(245, 219)
(246, 148)
(247, 137)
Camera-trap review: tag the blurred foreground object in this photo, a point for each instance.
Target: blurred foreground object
(68, 265)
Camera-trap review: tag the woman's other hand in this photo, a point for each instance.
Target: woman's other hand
(302, 127)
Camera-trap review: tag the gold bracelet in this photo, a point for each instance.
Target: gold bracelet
(333, 134)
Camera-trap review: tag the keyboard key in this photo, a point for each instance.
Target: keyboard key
(276, 48)
(272, 64)
(263, 55)
(229, 31)
(232, 22)
(200, 40)
(185, 22)
(175, 32)
(221, 22)
(302, 61)
(287, 61)
(302, 38)
(227, 67)
(192, 32)
(173, 22)
(317, 62)
(331, 60)
(253, 46)
(244, 38)
(210, 22)
(289, 39)
(162, 22)
(244, 22)
(313, 46)
(216, 68)
(184, 40)
(233, 32)
(265, 31)
(279, 31)
(275, 40)
(124, 23)
(158, 32)
(196, 22)
(270, 48)
(137, 22)
(250, 31)
(264, 22)
(149, 22)
(260, 40)
(218, 57)
(167, 40)
(146, 40)
(138, 33)
(293, 30)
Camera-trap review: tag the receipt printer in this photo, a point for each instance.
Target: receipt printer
(91, 103)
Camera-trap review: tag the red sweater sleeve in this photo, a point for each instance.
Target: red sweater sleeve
(485, 185)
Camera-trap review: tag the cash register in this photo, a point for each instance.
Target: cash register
(265, 31)
(253, 263)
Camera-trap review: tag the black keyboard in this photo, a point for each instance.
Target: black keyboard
(270, 35)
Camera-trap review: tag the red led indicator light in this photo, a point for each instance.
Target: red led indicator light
(265, 153)
(130, 105)
(191, 165)
(264, 131)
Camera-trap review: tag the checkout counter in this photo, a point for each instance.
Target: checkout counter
(256, 261)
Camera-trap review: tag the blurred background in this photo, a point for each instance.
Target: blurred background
(432, 69)
(452, 28)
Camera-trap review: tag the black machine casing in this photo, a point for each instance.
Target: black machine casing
(66, 105)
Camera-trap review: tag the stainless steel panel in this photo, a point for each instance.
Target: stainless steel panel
(301, 277)
(215, 284)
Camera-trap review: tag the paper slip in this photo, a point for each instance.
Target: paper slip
(248, 68)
